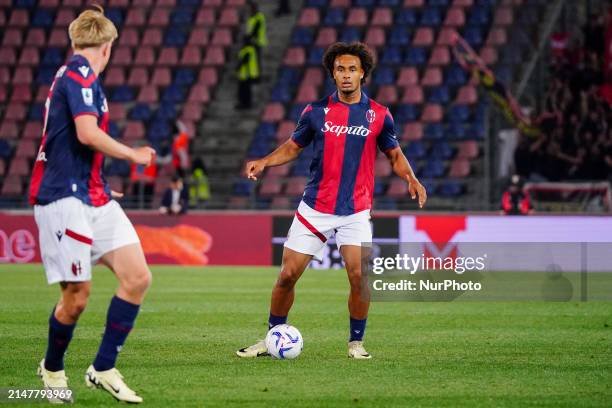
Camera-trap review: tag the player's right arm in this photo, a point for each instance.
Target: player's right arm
(91, 135)
(285, 153)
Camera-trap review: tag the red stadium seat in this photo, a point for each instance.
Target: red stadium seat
(168, 56)
(214, 56)
(114, 77)
(270, 186)
(199, 37)
(117, 111)
(412, 131)
(497, 37)
(382, 167)
(295, 186)
(42, 93)
(20, 167)
(278, 171)
(77, 3)
(122, 56)
(408, 76)
(199, 93)
(440, 56)
(229, 17)
(19, 18)
(145, 56)
(314, 76)
(29, 56)
(326, 37)
(22, 75)
(64, 17)
(148, 94)
(191, 56)
(49, 4)
(59, 38)
(152, 36)
(306, 93)
(115, 183)
(236, 3)
(503, 16)
(375, 37)
(432, 113)
(192, 111)
(26, 149)
(294, 57)
(2, 168)
(161, 77)
(212, 3)
(340, 3)
(21, 93)
(208, 76)
(5, 76)
(387, 95)
(382, 17)
(455, 17)
(488, 55)
(32, 130)
(468, 150)
(357, 17)
(238, 203)
(166, 3)
(138, 77)
(413, 95)
(397, 188)
(413, 3)
(222, 36)
(432, 77)
(159, 17)
(12, 186)
(285, 130)
(206, 17)
(463, 3)
(3, 94)
(12, 37)
(129, 37)
(459, 168)
(36, 37)
(423, 37)
(142, 3)
(446, 36)
(309, 17)
(15, 111)
(118, 3)
(467, 95)
(134, 130)
(9, 129)
(274, 112)
(280, 203)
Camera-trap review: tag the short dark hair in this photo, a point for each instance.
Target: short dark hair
(357, 49)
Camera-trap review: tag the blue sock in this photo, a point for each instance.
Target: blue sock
(357, 329)
(119, 323)
(59, 338)
(276, 320)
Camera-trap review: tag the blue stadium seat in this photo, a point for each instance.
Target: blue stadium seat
(430, 186)
(140, 112)
(166, 111)
(243, 188)
(115, 15)
(175, 37)
(385, 203)
(113, 130)
(440, 95)
(442, 150)
(415, 150)
(5, 150)
(302, 36)
(431, 17)
(189, 3)
(400, 35)
(262, 203)
(477, 131)
(288, 76)
(406, 17)
(174, 94)
(266, 131)
(458, 113)
(350, 34)
(184, 76)
(42, 18)
(434, 131)
(364, 3)
(45, 76)
(450, 189)
(315, 56)
(479, 16)
(301, 168)
(296, 111)
(181, 17)
(473, 35)
(438, 3)
(380, 187)
(317, 3)
(122, 94)
(24, 4)
(53, 57)
(280, 93)
(384, 76)
(334, 17)
(456, 131)
(406, 113)
(392, 55)
(416, 56)
(159, 131)
(389, 3)
(455, 76)
(433, 168)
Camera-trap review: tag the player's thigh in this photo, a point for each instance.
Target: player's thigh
(354, 237)
(309, 231)
(65, 237)
(128, 263)
(294, 263)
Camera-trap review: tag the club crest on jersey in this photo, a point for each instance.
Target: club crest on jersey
(345, 130)
(84, 71)
(87, 96)
(370, 115)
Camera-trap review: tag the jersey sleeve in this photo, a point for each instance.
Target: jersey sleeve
(387, 140)
(80, 94)
(303, 133)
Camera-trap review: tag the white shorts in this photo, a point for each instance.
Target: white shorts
(311, 229)
(74, 236)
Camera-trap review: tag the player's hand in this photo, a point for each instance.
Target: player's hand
(116, 195)
(415, 188)
(254, 169)
(143, 155)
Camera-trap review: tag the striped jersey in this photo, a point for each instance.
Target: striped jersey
(345, 139)
(64, 166)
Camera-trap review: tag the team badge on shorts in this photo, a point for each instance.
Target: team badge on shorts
(76, 268)
(370, 115)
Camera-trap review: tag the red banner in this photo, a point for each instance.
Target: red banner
(185, 240)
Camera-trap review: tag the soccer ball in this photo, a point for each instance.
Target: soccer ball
(284, 341)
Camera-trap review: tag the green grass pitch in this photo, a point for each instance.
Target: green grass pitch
(181, 352)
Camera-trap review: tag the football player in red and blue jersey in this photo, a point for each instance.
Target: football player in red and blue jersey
(346, 129)
(79, 223)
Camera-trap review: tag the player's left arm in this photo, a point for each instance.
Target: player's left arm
(401, 167)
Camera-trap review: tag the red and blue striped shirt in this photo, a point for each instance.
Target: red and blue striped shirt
(345, 139)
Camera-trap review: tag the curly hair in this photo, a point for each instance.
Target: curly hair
(356, 49)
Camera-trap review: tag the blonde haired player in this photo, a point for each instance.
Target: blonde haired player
(79, 223)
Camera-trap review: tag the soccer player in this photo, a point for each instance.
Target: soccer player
(79, 223)
(346, 128)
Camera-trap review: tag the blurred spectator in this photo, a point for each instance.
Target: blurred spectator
(514, 199)
(248, 72)
(175, 199)
(143, 183)
(283, 8)
(256, 30)
(199, 189)
(180, 150)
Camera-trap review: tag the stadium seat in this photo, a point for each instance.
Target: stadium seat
(463, 3)
(455, 17)
(295, 186)
(382, 17)
(375, 37)
(391, 56)
(145, 56)
(306, 93)
(42, 18)
(152, 37)
(415, 56)
(350, 34)
(397, 188)
(122, 56)
(413, 95)
(222, 36)
(489, 55)
(136, 17)
(432, 77)
(58, 38)
(64, 17)
(468, 150)
(340, 3)
(192, 111)
(168, 56)
(442, 150)
(423, 37)
(414, 3)
(26, 149)
(191, 56)
(12, 186)
(134, 130)
(138, 76)
(440, 56)
(117, 111)
(387, 95)
(8, 56)
(407, 76)
(273, 112)
(439, 95)
(148, 94)
(19, 167)
(159, 17)
(215, 56)
(412, 131)
(35, 37)
(434, 131)
(309, 17)
(503, 17)
(467, 95)
(32, 130)
(357, 17)
(199, 93)
(198, 37)
(400, 35)
(382, 167)
(294, 57)
(206, 17)
(433, 168)
(431, 17)
(9, 129)
(450, 189)
(460, 167)
(326, 37)
(415, 150)
(115, 76)
(229, 17)
(161, 77)
(19, 18)
(208, 76)
(432, 113)
(334, 17)
(22, 76)
(270, 186)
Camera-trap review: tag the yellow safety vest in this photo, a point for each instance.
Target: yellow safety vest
(261, 40)
(250, 69)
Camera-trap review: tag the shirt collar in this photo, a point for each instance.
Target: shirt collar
(363, 101)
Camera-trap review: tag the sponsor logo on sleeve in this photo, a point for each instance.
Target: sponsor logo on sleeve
(87, 96)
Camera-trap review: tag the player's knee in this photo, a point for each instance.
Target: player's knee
(138, 283)
(287, 278)
(75, 304)
(355, 278)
